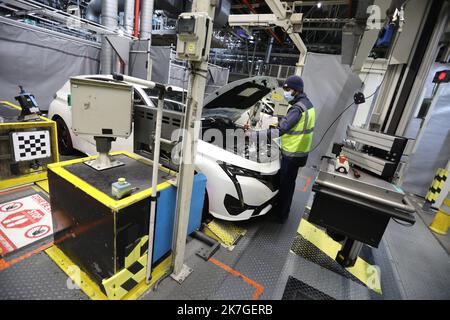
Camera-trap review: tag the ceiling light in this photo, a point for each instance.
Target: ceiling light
(319, 5)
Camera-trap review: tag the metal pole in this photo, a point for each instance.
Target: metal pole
(269, 51)
(194, 106)
(156, 149)
(146, 30)
(137, 5)
(248, 57)
(253, 60)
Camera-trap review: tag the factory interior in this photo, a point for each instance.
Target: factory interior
(231, 150)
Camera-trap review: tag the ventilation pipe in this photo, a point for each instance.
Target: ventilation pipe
(146, 20)
(269, 51)
(109, 20)
(137, 6)
(145, 30)
(128, 16)
(94, 9)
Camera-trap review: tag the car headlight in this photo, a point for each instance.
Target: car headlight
(270, 181)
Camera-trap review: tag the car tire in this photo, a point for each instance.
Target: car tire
(65, 145)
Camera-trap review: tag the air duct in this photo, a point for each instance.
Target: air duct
(94, 9)
(109, 15)
(146, 19)
(128, 16)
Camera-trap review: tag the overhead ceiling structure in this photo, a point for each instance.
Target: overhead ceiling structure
(321, 29)
(326, 26)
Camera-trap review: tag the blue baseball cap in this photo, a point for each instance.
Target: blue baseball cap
(294, 82)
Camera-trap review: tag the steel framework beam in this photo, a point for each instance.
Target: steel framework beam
(283, 17)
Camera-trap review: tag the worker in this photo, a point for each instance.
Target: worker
(296, 136)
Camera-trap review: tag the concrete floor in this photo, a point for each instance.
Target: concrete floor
(427, 218)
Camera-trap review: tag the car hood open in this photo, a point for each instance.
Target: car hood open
(241, 94)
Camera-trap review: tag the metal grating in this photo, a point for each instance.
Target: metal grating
(298, 290)
(308, 251)
(37, 278)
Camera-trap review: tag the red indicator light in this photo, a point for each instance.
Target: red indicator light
(442, 76)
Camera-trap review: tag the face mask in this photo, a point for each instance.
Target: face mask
(288, 96)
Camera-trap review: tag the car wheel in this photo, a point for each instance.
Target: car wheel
(64, 139)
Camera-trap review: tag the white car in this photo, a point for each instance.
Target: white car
(238, 186)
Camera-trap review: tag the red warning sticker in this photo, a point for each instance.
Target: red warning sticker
(24, 221)
(37, 231)
(22, 218)
(10, 206)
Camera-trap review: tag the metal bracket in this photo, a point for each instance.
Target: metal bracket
(206, 253)
(182, 275)
(103, 162)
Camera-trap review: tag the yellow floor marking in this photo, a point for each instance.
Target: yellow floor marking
(43, 184)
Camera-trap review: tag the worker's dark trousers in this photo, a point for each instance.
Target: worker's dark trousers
(288, 175)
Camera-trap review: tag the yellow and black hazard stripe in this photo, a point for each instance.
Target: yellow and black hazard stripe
(437, 186)
(127, 284)
(134, 272)
(441, 222)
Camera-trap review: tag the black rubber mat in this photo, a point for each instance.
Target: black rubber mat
(308, 251)
(137, 173)
(298, 290)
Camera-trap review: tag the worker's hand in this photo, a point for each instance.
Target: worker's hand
(246, 127)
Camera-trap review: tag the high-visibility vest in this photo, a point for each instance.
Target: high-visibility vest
(297, 142)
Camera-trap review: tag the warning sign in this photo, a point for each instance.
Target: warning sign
(23, 218)
(24, 221)
(11, 206)
(37, 232)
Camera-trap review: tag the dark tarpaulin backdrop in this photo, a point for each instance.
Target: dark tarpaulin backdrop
(41, 62)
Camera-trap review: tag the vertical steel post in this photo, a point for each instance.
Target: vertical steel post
(196, 90)
(156, 151)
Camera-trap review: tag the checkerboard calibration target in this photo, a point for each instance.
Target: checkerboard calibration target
(31, 145)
